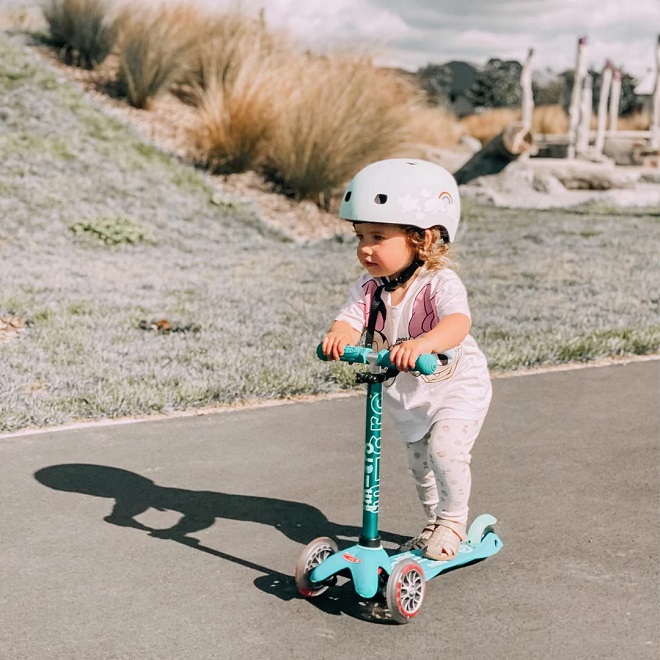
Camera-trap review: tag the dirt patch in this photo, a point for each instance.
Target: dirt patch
(11, 327)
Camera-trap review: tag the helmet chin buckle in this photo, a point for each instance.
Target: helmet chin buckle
(394, 283)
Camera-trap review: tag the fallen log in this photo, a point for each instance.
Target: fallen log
(497, 154)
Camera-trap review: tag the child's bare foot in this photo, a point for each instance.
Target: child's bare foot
(445, 540)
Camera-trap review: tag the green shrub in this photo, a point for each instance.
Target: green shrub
(113, 231)
(82, 30)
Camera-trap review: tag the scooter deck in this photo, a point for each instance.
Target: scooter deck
(366, 564)
(467, 554)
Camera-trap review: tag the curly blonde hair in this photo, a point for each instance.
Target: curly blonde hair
(435, 256)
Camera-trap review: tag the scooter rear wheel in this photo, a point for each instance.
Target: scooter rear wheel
(313, 554)
(405, 590)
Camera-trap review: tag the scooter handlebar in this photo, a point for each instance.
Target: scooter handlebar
(426, 364)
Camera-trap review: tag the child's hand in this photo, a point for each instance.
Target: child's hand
(404, 355)
(334, 344)
(339, 336)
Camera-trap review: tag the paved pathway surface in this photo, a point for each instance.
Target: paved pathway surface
(567, 461)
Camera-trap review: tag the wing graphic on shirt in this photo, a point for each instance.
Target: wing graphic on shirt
(424, 315)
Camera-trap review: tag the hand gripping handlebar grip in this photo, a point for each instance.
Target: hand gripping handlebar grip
(425, 364)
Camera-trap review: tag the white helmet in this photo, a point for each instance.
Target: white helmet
(404, 191)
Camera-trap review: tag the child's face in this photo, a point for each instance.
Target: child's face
(382, 249)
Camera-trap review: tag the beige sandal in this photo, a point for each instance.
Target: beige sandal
(445, 540)
(420, 541)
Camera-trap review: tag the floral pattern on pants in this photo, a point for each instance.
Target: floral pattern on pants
(440, 466)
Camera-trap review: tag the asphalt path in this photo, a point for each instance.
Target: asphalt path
(567, 462)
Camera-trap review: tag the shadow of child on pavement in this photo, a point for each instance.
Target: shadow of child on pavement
(134, 494)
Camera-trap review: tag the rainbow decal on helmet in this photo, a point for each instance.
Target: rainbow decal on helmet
(445, 198)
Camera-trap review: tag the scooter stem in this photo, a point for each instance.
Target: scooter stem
(369, 537)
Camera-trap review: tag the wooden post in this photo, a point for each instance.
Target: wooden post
(582, 141)
(527, 96)
(654, 144)
(605, 84)
(576, 95)
(614, 100)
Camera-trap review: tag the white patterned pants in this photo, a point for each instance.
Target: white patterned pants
(440, 466)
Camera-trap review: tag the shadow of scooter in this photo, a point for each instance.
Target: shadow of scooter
(134, 494)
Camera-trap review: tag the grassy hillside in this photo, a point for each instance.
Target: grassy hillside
(100, 231)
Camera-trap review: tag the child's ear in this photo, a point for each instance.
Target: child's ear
(428, 238)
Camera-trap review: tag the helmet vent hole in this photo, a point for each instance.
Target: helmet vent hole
(380, 199)
(347, 196)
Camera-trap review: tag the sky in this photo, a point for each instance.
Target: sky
(413, 33)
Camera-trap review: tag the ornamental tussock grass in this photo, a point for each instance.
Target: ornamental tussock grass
(341, 114)
(235, 121)
(155, 47)
(235, 83)
(83, 30)
(226, 42)
(307, 122)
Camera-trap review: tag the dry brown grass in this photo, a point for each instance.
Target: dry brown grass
(549, 119)
(486, 125)
(83, 30)
(546, 119)
(307, 122)
(435, 126)
(223, 46)
(237, 81)
(639, 121)
(237, 115)
(341, 115)
(155, 48)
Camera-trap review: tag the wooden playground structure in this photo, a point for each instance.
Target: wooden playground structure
(581, 146)
(581, 141)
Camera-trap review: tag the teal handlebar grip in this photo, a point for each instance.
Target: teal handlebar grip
(426, 364)
(352, 354)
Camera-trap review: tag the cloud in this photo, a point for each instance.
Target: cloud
(419, 32)
(479, 30)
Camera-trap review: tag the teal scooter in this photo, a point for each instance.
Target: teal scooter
(400, 577)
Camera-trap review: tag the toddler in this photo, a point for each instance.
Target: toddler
(405, 213)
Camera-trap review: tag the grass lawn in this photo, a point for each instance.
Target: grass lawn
(100, 230)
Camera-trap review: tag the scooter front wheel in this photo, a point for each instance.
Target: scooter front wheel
(314, 553)
(405, 590)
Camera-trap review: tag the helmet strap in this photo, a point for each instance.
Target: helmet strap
(403, 276)
(377, 304)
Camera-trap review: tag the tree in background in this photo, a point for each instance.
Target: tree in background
(437, 81)
(547, 88)
(628, 102)
(497, 85)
